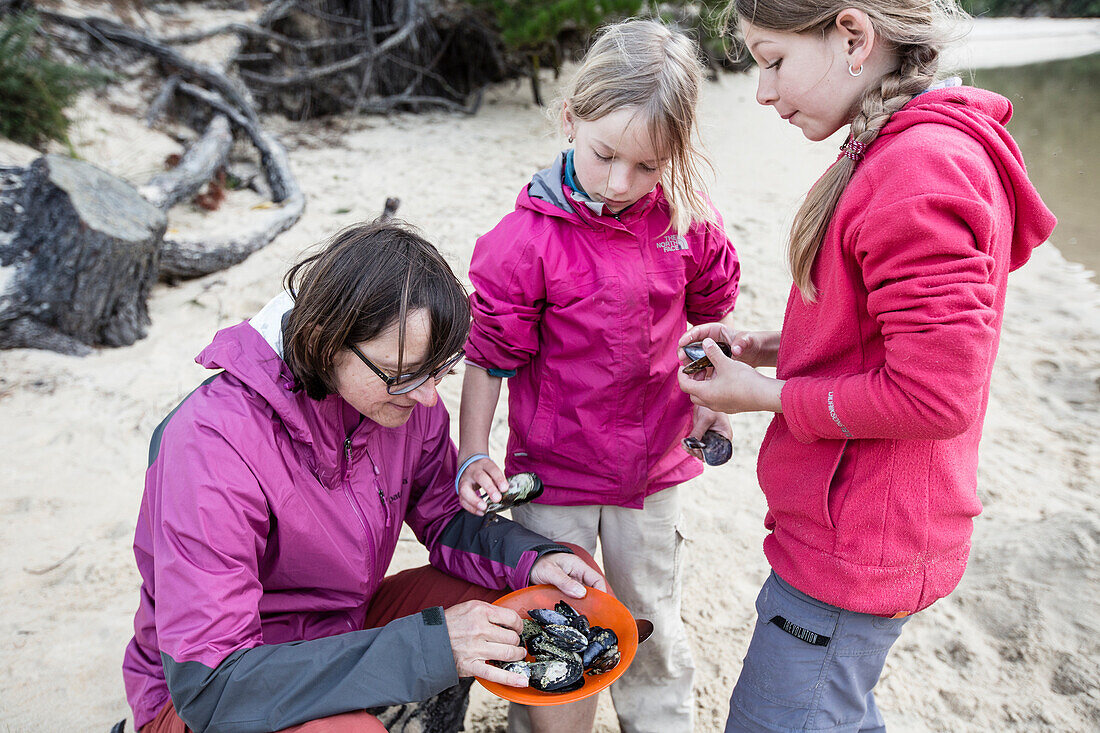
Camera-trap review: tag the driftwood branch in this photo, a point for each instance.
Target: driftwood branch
(185, 258)
(197, 166)
(109, 32)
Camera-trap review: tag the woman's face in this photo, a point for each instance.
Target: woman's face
(805, 77)
(366, 392)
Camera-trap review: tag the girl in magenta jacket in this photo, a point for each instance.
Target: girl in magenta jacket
(581, 295)
(900, 256)
(275, 496)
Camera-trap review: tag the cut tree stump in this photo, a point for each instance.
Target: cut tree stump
(81, 260)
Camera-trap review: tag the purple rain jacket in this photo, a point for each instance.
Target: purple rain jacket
(588, 310)
(268, 521)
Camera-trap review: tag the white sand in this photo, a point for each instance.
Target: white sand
(1014, 648)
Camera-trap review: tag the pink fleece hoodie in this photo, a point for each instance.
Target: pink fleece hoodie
(870, 472)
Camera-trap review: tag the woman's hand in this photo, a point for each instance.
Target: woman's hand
(568, 573)
(481, 632)
(731, 386)
(481, 478)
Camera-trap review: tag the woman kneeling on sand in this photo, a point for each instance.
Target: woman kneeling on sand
(274, 499)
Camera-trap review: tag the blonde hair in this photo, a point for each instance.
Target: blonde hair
(645, 65)
(916, 31)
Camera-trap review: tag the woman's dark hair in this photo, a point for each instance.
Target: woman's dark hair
(368, 277)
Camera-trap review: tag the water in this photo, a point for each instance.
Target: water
(1056, 122)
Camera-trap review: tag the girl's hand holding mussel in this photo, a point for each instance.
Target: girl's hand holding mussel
(479, 484)
(729, 385)
(755, 348)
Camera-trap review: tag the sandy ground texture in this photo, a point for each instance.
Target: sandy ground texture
(1015, 648)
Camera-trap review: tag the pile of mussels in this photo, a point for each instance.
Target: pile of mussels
(564, 647)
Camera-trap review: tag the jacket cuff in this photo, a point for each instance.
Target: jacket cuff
(436, 652)
(810, 410)
(527, 560)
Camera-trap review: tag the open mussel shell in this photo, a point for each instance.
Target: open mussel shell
(522, 488)
(698, 356)
(714, 448)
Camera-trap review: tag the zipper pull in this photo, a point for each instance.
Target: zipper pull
(385, 505)
(347, 449)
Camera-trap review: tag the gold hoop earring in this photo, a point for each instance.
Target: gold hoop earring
(853, 72)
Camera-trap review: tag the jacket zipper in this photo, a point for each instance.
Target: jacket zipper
(378, 486)
(356, 508)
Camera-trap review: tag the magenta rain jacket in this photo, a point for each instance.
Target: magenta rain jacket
(870, 472)
(267, 523)
(588, 309)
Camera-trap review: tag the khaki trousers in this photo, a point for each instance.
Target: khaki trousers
(642, 559)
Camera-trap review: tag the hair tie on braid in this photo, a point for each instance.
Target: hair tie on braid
(853, 150)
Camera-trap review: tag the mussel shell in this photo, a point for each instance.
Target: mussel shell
(522, 488)
(542, 647)
(605, 636)
(715, 448)
(554, 675)
(547, 616)
(521, 667)
(698, 356)
(566, 610)
(570, 688)
(577, 620)
(605, 662)
(566, 637)
(530, 630)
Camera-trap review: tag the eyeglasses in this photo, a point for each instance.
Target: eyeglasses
(405, 383)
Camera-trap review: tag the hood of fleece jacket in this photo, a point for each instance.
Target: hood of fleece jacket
(983, 115)
(252, 352)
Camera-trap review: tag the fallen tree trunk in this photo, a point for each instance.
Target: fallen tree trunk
(81, 260)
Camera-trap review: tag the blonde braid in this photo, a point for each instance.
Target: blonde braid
(916, 73)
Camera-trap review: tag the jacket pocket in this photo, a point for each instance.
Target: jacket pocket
(796, 478)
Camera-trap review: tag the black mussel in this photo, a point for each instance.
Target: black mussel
(606, 636)
(547, 616)
(553, 675)
(520, 667)
(605, 661)
(698, 356)
(714, 448)
(530, 629)
(577, 620)
(570, 688)
(522, 488)
(543, 648)
(599, 641)
(566, 637)
(566, 610)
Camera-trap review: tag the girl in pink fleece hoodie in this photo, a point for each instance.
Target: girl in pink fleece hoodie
(900, 256)
(581, 295)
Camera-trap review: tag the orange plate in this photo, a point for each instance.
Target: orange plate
(602, 610)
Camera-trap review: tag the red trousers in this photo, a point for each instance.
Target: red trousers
(400, 595)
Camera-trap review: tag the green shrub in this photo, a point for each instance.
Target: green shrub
(34, 89)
